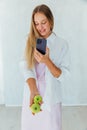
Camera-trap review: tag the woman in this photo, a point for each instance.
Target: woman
(44, 74)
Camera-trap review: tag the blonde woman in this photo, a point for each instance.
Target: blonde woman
(44, 74)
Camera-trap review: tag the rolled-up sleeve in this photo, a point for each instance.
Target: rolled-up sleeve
(64, 64)
(27, 73)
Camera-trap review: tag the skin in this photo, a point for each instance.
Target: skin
(43, 27)
(42, 24)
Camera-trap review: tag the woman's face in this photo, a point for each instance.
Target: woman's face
(42, 24)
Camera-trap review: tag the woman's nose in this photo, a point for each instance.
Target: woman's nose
(40, 26)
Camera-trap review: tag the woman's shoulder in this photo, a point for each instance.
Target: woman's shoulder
(60, 41)
(56, 37)
(59, 38)
(56, 41)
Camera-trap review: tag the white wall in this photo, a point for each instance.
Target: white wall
(1, 72)
(70, 23)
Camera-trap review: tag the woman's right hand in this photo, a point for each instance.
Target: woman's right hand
(32, 95)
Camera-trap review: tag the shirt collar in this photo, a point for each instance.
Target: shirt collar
(51, 36)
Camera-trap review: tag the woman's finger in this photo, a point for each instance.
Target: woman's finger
(31, 101)
(47, 50)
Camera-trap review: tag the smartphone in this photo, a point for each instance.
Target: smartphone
(41, 45)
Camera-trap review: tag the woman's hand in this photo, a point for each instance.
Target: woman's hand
(32, 95)
(56, 71)
(40, 58)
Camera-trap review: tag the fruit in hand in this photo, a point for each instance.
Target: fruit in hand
(35, 108)
(37, 99)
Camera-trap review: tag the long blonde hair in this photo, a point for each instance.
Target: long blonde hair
(33, 35)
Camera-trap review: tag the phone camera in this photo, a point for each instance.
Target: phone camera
(39, 41)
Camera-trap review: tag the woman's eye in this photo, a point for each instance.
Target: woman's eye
(44, 22)
(36, 24)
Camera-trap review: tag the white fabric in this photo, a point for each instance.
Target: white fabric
(44, 120)
(59, 54)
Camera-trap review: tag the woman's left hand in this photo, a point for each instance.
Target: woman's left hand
(40, 58)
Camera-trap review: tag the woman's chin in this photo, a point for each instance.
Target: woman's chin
(43, 35)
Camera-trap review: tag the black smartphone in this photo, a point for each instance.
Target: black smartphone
(41, 45)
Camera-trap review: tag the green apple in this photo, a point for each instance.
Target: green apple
(37, 99)
(35, 108)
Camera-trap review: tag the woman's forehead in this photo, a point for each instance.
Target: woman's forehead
(39, 17)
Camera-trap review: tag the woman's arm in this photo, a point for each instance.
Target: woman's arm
(30, 79)
(56, 72)
(33, 89)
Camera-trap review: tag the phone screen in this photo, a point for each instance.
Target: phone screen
(41, 45)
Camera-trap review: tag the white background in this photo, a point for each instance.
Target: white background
(70, 23)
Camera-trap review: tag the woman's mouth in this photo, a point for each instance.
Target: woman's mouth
(42, 31)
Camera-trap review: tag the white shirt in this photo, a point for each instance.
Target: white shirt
(59, 54)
